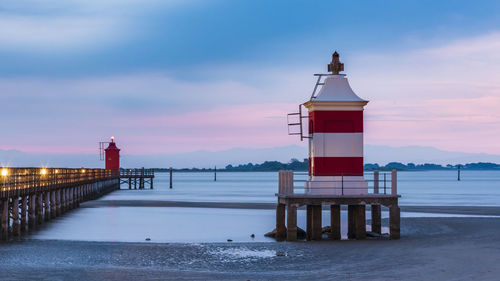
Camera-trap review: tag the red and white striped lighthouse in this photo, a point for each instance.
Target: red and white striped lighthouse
(335, 136)
(112, 155)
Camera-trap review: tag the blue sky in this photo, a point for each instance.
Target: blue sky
(85, 38)
(180, 76)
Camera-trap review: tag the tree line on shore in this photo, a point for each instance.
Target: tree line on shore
(297, 165)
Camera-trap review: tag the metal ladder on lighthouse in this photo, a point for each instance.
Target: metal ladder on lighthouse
(298, 123)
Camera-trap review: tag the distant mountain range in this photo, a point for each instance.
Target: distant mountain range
(236, 156)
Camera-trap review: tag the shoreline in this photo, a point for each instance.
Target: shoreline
(459, 210)
(429, 249)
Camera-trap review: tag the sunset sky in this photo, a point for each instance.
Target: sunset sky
(181, 76)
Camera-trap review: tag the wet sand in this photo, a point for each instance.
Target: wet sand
(462, 210)
(429, 249)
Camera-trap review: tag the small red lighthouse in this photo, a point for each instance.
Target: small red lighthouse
(112, 155)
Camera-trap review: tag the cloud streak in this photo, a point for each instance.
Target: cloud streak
(444, 96)
(52, 34)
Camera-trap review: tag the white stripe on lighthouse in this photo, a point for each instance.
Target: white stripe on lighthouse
(337, 145)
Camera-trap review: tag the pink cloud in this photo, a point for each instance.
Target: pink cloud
(446, 97)
(462, 124)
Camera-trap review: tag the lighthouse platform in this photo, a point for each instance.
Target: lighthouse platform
(137, 178)
(289, 202)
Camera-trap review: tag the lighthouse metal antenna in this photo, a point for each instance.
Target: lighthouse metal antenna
(335, 67)
(320, 82)
(102, 146)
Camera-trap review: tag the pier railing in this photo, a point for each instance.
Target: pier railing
(21, 181)
(137, 178)
(29, 196)
(137, 173)
(376, 182)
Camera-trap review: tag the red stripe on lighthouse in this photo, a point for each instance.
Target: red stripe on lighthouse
(336, 122)
(337, 166)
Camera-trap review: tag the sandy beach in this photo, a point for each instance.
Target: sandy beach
(462, 210)
(429, 249)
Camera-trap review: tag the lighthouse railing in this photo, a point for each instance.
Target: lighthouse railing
(369, 183)
(142, 172)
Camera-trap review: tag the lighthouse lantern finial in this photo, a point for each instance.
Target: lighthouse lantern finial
(335, 66)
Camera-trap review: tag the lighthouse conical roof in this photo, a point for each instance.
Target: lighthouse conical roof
(337, 88)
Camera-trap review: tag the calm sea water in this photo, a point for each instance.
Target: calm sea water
(194, 225)
(440, 188)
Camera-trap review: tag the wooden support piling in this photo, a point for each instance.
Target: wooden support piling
(316, 226)
(67, 198)
(77, 198)
(58, 202)
(285, 182)
(351, 229)
(394, 182)
(70, 198)
(80, 194)
(394, 222)
(280, 222)
(5, 219)
(375, 182)
(291, 223)
(73, 197)
(16, 230)
(63, 201)
(376, 219)
(309, 218)
(170, 177)
(24, 212)
(141, 179)
(376, 208)
(47, 205)
(39, 208)
(31, 211)
(335, 220)
(53, 211)
(360, 222)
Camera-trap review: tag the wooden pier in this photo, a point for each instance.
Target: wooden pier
(137, 178)
(288, 202)
(30, 196)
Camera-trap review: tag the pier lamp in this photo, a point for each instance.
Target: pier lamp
(5, 172)
(83, 171)
(43, 172)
